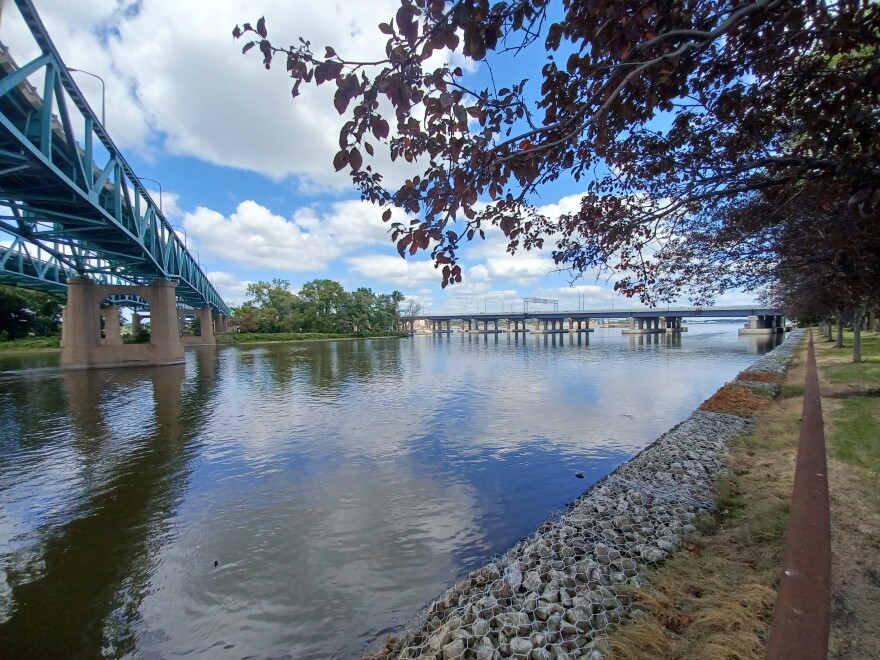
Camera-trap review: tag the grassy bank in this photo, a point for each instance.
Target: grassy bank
(49, 343)
(30, 344)
(263, 337)
(715, 598)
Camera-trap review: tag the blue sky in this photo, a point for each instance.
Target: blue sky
(247, 174)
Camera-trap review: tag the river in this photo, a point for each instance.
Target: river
(299, 500)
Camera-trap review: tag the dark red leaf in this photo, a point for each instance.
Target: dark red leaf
(261, 27)
(355, 159)
(340, 101)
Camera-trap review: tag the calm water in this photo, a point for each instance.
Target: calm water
(337, 486)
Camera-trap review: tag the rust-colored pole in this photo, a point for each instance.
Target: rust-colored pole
(803, 600)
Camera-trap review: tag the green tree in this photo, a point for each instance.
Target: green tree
(24, 312)
(325, 301)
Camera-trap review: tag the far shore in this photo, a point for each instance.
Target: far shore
(51, 344)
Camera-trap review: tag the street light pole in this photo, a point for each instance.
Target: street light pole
(103, 93)
(181, 228)
(143, 178)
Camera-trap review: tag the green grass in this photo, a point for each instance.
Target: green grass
(791, 391)
(261, 337)
(29, 344)
(854, 372)
(867, 371)
(855, 422)
(728, 500)
(856, 439)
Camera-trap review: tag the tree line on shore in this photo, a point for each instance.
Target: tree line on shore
(321, 305)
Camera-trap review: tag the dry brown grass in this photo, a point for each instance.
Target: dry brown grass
(734, 399)
(715, 599)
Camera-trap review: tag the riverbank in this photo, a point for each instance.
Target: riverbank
(30, 344)
(52, 343)
(559, 592)
(266, 337)
(716, 599)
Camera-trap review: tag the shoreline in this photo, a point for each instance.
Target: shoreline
(9, 348)
(557, 592)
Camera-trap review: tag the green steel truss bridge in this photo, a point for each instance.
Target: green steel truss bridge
(70, 205)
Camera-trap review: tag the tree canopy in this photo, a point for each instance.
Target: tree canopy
(24, 312)
(676, 116)
(320, 306)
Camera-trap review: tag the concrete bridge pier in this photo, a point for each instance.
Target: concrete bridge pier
(112, 328)
(549, 326)
(485, 330)
(516, 325)
(437, 327)
(671, 324)
(206, 327)
(83, 346)
(579, 330)
(643, 326)
(764, 324)
(220, 326)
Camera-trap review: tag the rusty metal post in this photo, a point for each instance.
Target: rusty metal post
(803, 601)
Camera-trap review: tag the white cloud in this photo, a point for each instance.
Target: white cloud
(174, 74)
(255, 237)
(231, 288)
(394, 270)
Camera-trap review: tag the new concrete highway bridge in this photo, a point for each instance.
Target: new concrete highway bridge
(75, 219)
(760, 320)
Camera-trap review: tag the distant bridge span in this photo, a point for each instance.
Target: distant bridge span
(761, 320)
(736, 311)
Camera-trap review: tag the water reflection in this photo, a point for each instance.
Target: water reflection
(110, 475)
(337, 486)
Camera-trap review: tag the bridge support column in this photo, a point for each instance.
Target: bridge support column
(220, 324)
(206, 326)
(83, 347)
(643, 326)
(762, 325)
(80, 333)
(112, 331)
(580, 322)
(164, 338)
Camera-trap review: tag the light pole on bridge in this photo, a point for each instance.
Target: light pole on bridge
(143, 178)
(103, 93)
